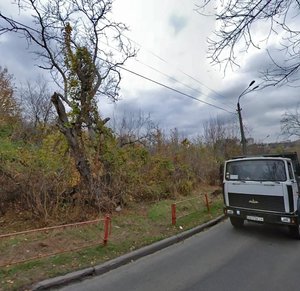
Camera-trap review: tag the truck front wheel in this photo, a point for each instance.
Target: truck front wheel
(294, 231)
(237, 222)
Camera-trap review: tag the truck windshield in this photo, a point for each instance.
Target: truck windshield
(256, 170)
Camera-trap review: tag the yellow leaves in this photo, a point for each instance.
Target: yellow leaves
(73, 82)
(8, 105)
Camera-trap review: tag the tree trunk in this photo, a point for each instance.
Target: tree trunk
(72, 134)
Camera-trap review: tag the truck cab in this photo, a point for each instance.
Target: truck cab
(263, 189)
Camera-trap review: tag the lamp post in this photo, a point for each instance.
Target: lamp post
(239, 109)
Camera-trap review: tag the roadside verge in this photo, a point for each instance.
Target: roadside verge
(122, 260)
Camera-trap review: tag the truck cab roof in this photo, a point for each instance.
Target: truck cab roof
(284, 156)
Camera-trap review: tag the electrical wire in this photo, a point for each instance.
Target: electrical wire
(151, 80)
(177, 81)
(168, 76)
(158, 57)
(181, 71)
(173, 89)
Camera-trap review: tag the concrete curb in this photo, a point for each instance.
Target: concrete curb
(122, 260)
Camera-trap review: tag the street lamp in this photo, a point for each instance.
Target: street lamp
(239, 109)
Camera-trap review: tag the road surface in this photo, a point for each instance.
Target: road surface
(256, 258)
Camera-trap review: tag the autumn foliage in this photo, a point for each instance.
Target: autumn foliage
(38, 172)
(136, 162)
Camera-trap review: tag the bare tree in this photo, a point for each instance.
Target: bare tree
(72, 40)
(237, 22)
(221, 135)
(290, 123)
(134, 128)
(36, 104)
(213, 131)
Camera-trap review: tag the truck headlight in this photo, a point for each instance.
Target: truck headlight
(285, 219)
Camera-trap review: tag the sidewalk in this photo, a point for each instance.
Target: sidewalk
(122, 260)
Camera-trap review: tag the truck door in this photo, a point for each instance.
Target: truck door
(294, 186)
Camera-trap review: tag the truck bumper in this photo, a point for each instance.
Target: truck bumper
(262, 216)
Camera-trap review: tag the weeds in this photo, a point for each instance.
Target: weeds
(137, 225)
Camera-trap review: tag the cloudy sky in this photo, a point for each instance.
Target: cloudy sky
(172, 49)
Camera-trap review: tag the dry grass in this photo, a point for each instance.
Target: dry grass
(136, 225)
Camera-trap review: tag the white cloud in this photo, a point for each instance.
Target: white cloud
(171, 38)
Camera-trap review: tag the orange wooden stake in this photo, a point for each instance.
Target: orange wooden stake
(207, 203)
(173, 208)
(106, 229)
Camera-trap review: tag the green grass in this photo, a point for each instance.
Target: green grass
(135, 226)
(160, 212)
(202, 215)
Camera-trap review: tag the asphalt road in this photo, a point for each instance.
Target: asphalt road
(256, 258)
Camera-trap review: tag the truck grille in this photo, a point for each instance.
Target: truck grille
(259, 202)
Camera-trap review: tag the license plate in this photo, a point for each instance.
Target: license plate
(254, 218)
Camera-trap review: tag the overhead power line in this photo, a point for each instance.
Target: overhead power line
(174, 90)
(149, 79)
(181, 71)
(168, 76)
(162, 59)
(177, 81)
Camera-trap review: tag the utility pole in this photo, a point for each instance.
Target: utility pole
(243, 139)
(239, 109)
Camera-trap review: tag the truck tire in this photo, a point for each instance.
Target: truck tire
(295, 231)
(237, 222)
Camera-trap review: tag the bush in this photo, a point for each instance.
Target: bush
(41, 176)
(35, 177)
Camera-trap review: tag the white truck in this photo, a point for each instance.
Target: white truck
(263, 189)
